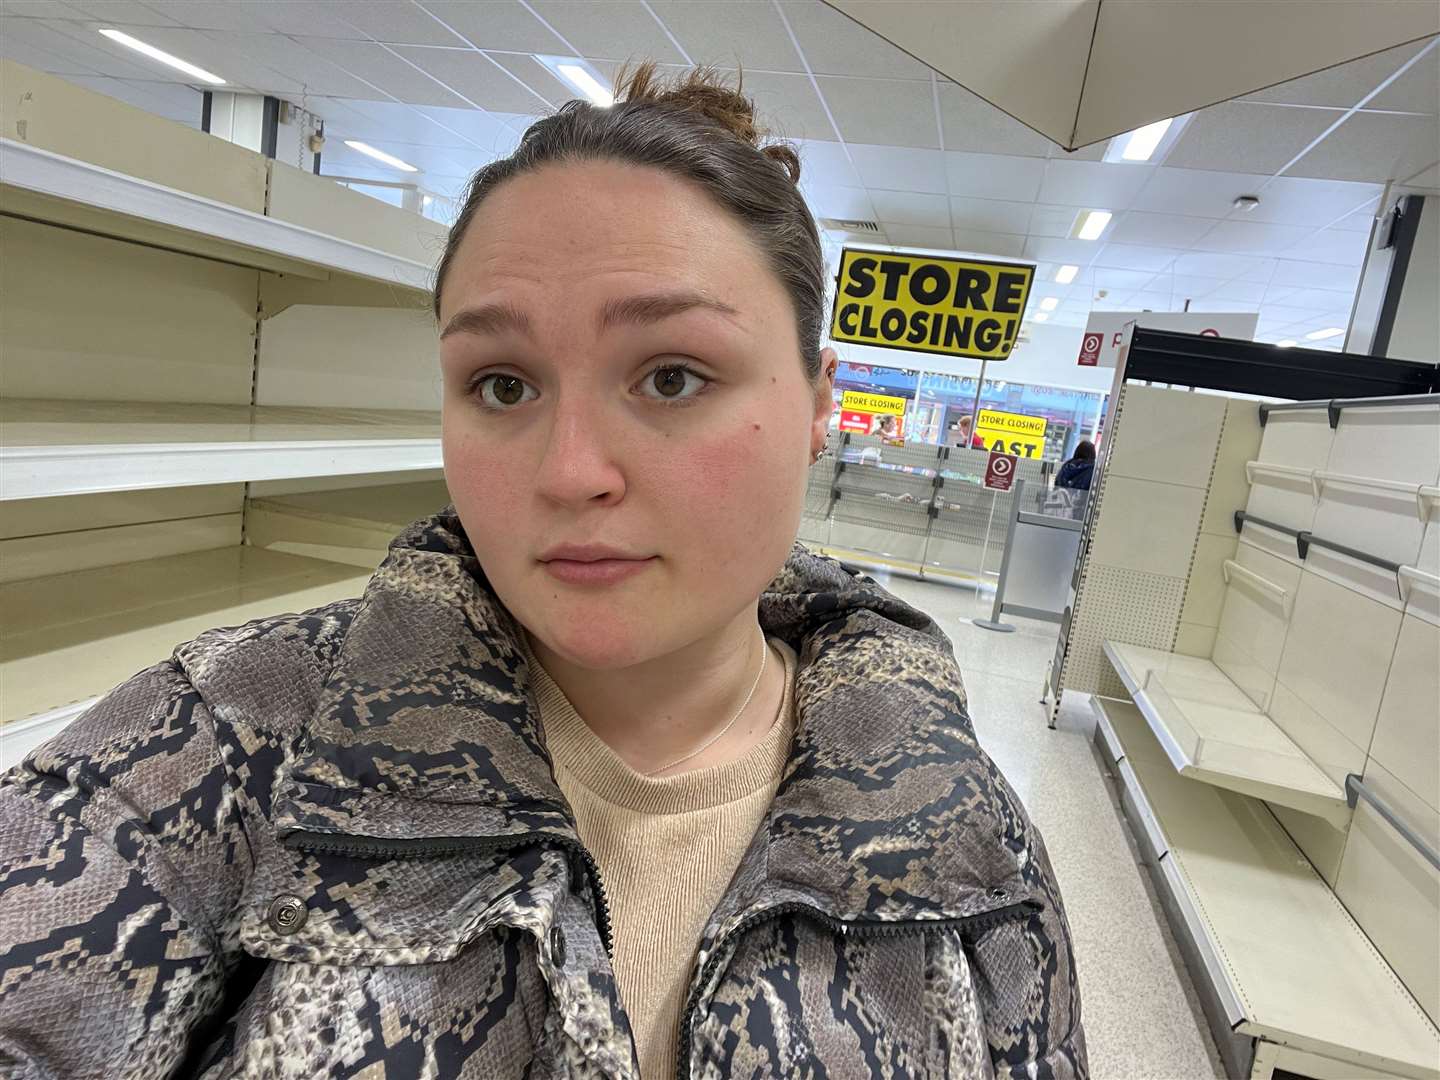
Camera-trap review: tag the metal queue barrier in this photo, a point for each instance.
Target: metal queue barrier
(1041, 541)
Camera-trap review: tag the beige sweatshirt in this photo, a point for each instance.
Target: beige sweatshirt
(640, 829)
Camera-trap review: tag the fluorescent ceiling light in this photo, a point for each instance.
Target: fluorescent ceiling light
(1066, 274)
(380, 155)
(587, 84)
(1050, 303)
(164, 57)
(1141, 143)
(1321, 335)
(1040, 316)
(1286, 344)
(1091, 224)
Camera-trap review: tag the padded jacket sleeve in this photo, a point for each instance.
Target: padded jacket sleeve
(122, 855)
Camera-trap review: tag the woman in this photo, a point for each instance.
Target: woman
(1076, 472)
(601, 777)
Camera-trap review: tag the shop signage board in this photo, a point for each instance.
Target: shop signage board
(930, 303)
(1000, 471)
(1100, 347)
(859, 401)
(1012, 433)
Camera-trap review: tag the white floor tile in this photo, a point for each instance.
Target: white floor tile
(1142, 1017)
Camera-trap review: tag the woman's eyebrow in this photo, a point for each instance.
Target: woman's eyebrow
(488, 319)
(652, 307)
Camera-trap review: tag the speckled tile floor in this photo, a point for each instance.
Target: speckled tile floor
(1142, 1018)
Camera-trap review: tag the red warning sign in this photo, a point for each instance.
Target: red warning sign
(1000, 471)
(1090, 350)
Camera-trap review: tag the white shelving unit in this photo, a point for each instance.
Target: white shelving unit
(220, 399)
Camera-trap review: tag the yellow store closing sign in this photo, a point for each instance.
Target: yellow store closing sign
(856, 401)
(930, 303)
(1012, 433)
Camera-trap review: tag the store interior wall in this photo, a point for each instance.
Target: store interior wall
(1415, 334)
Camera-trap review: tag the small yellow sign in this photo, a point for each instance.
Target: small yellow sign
(858, 401)
(1012, 433)
(930, 303)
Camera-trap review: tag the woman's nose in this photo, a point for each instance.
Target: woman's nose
(578, 465)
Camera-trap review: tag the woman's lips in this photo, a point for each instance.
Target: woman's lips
(595, 572)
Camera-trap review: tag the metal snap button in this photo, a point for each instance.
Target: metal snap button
(557, 946)
(287, 914)
(998, 893)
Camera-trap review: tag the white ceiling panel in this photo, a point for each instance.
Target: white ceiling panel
(1310, 299)
(727, 33)
(1115, 279)
(1340, 279)
(1341, 86)
(1247, 138)
(828, 163)
(839, 201)
(496, 24)
(895, 111)
(170, 100)
(1004, 245)
(81, 44)
(787, 105)
(610, 29)
(1185, 285)
(1332, 246)
(213, 51)
(1362, 220)
(213, 14)
(1093, 152)
(1288, 200)
(529, 74)
(1056, 250)
(1375, 147)
(1140, 227)
(991, 215)
(1212, 264)
(1053, 221)
(310, 18)
(457, 127)
(41, 9)
(279, 53)
(911, 208)
(973, 125)
(899, 168)
(40, 46)
(1137, 257)
(1098, 184)
(835, 44)
(399, 24)
(475, 76)
(1251, 238)
(378, 65)
(1148, 300)
(1193, 192)
(994, 176)
(115, 12)
(1251, 292)
(918, 236)
(1426, 178)
(1418, 90)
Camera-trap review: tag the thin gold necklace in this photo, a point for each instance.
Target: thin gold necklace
(764, 655)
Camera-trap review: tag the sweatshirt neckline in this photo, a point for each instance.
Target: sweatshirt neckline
(575, 748)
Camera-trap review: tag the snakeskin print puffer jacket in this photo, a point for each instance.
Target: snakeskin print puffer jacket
(329, 844)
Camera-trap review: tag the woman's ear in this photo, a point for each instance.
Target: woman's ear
(824, 402)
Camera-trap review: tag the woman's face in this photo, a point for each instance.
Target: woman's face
(627, 424)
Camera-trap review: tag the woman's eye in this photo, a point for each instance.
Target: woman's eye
(672, 382)
(505, 391)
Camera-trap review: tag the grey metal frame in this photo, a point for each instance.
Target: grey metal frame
(1355, 790)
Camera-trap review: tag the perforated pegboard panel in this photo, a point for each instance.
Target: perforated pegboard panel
(1127, 605)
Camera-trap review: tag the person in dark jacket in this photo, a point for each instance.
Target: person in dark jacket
(1076, 472)
(603, 776)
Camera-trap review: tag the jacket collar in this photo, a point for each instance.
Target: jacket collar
(426, 728)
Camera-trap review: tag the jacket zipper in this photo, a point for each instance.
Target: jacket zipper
(972, 925)
(371, 847)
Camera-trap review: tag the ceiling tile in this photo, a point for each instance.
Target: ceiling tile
(1212, 264)
(1098, 184)
(128, 12)
(40, 9)
(1252, 268)
(282, 54)
(1418, 90)
(1240, 291)
(496, 24)
(898, 168)
(1146, 300)
(1212, 305)
(1340, 86)
(889, 111)
(1141, 227)
(214, 52)
(529, 73)
(308, 18)
(474, 76)
(454, 127)
(218, 15)
(1052, 221)
(918, 236)
(1004, 245)
(994, 176)
(609, 29)
(991, 215)
(1057, 250)
(1137, 257)
(399, 24)
(1193, 192)
(1426, 178)
(1313, 299)
(973, 125)
(1362, 220)
(1342, 246)
(1341, 279)
(787, 105)
(1093, 152)
(835, 44)
(173, 101)
(1251, 238)
(911, 208)
(730, 32)
(1374, 147)
(37, 45)
(1246, 138)
(81, 45)
(839, 201)
(1186, 285)
(1293, 200)
(379, 66)
(827, 163)
(1114, 279)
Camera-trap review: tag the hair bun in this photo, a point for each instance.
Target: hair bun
(705, 92)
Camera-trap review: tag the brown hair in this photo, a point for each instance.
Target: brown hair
(703, 130)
